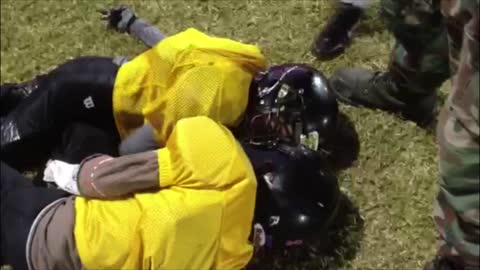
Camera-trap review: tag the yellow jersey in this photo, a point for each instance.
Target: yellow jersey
(201, 218)
(185, 75)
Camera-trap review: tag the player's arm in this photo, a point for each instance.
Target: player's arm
(140, 140)
(199, 153)
(103, 176)
(123, 19)
(106, 177)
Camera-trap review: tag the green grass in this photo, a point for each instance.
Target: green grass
(392, 183)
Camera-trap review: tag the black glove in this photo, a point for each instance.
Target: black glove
(119, 18)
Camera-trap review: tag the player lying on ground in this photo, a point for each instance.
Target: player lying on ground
(188, 74)
(204, 201)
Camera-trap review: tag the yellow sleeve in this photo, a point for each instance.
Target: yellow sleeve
(200, 153)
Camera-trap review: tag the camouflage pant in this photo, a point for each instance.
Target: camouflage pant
(419, 60)
(437, 40)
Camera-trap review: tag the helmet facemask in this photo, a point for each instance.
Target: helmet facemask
(279, 116)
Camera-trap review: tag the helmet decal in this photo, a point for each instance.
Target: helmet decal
(268, 177)
(274, 221)
(265, 91)
(291, 243)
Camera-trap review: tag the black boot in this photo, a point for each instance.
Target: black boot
(377, 90)
(336, 35)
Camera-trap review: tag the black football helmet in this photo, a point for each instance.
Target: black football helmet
(297, 195)
(292, 104)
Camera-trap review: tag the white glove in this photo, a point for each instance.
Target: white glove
(63, 174)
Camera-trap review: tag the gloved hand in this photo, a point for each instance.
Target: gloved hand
(63, 174)
(119, 18)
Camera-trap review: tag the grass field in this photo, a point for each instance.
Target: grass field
(393, 181)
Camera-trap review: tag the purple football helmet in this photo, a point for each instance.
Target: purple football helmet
(291, 104)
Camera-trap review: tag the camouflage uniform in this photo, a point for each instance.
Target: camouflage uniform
(419, 60)
(430, 34)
